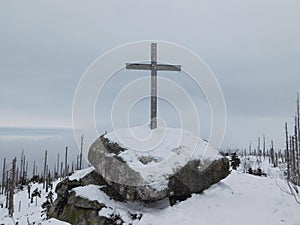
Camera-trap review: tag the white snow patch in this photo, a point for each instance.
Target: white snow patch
(53, 221)
(78, 174)
(157, 154)
(93, 193)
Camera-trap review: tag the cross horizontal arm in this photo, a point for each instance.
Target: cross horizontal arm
(138, 66)
(167, 67)
(157, 67)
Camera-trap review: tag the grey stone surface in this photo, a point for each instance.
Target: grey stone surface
(81, 211)
(194, 177)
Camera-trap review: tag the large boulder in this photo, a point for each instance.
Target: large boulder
(171, 169)
(190, 179)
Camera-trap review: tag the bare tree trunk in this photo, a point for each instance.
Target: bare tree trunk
(293, 155)
(45, 167)
(250, 150)
(57, 165)
(258, 147)
(66, 162)
(81, 149)
(298, 132)
(36, 171)
(24, 168)
(12, 189)
(33, 170)
(17, 176)
(3, 175)
(287, 151)
(77, 163)
(296, 154)
(61, 169)
(272, 153)
(264, 146)
(26, 174)
(54, 170)
(7, 191)
(21, 166)
(72, 168)
(47, 179)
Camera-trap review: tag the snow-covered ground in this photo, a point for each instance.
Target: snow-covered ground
(29, 213)
(256, 162)
(238, 199)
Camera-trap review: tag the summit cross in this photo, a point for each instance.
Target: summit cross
(154, 67)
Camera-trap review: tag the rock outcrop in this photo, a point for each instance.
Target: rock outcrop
(124, 177)
(191, 180)
(196, 175)
(78, 210)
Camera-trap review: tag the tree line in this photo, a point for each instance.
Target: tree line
(15, 174)
(292, 155)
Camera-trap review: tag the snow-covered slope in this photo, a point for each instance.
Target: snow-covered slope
(256, 162)
(29, 213)
(238, 199)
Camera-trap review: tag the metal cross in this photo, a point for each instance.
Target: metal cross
(154, 67)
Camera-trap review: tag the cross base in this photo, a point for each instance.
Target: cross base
(153, 123)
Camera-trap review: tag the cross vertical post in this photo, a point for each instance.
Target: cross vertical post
(154, 67)
(153, 122)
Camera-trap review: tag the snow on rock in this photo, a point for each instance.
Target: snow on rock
(77, 175)
(53, 221)
(159, 143)
(155, 154)
(147, 165)
(93, 193)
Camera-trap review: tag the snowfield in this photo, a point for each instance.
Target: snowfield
(240, 199)
(29, 213)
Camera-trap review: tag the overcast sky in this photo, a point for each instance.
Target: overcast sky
(252, 46)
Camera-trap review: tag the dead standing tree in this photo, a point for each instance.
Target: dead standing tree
(297, 133)
(66, 162)
(3, 176)
(57, 169)
(12, 189)
(45, 167)
(287, 155)
(264, 146)
(6, 188)
(81, 149)
(293, 150)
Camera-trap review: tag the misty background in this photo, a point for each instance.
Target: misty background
(252, 47)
